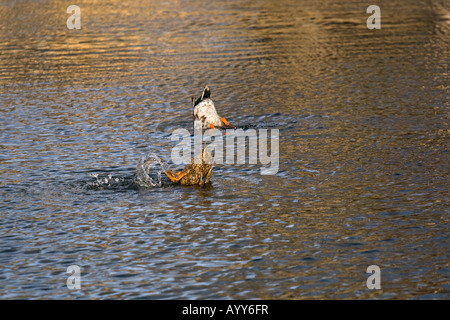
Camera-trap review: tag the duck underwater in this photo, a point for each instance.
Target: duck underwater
(205, 114)
(198, 172)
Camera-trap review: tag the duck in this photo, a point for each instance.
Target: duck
(198, 172)
(205, 114)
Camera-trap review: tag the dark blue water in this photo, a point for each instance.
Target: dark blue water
(363, 118)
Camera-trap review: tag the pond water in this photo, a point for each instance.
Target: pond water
(363, 177)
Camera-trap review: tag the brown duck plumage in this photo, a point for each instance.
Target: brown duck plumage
(194, 173)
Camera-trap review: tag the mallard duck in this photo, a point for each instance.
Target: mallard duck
(196, 173)
(205, 114)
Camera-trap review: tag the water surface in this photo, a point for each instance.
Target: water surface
(363, 117)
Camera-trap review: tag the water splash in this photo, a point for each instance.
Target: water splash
(106, 182)
(148, 174)
(148, 171)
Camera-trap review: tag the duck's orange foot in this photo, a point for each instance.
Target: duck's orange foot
(226, 124)
(175, 177)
